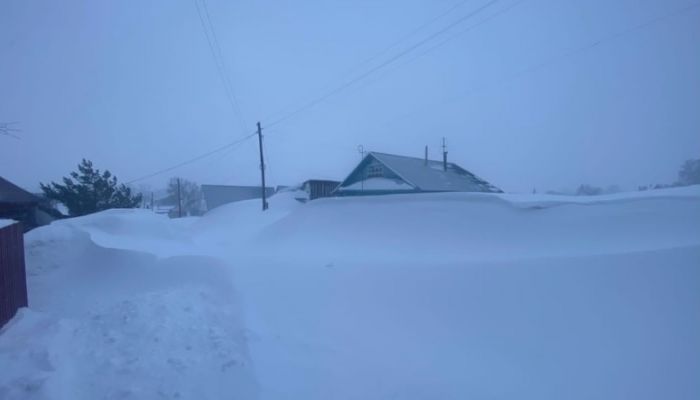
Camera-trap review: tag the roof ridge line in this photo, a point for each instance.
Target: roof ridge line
(411, 157)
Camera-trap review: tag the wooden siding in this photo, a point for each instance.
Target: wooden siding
(13, 279)
(320, 188)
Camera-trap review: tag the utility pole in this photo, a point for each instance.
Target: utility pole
(179, 200)
(444, 154)
(361, 149)
(262, 169)
(152, 207)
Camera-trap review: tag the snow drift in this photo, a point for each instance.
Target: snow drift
(447, 296)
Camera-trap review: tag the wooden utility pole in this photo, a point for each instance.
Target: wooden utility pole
(179, 200)
(444, 154)
(361, 149)
(262, 169)
(152, 207)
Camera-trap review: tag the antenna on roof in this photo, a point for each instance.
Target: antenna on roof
(426, 156)
(444, 154)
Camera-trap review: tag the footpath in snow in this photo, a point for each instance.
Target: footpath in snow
(435, 296)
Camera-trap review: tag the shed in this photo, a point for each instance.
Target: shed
(318, 188)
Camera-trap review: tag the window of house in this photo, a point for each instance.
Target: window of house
(375, 171)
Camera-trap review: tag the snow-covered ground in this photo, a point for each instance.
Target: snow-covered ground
(434, 296)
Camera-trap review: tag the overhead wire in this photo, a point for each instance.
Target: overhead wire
(219, 60)
(194, 159)
(589, 45)
(392, 45)
(387, 62)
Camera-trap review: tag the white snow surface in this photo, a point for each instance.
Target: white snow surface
(431, 296)
(6, 222)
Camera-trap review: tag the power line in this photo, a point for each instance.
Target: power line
(412, 33)
(468, 29)
(391, 46)
(223, 63)
(596, 42)
(567, 54)
(450, 38)
(389, 61)
(195, 159)
(219, 60)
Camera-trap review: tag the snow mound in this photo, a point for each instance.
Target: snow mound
(133, 229)
(484, 226)
(234, 224)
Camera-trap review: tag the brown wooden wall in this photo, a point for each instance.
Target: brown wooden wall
(13, 279)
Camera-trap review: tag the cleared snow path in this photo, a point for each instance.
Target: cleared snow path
(110, 323)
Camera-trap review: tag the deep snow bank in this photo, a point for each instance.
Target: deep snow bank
(456, 296)
(480, 226)
(447, 296)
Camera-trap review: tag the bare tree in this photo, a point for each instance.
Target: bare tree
(7, 129)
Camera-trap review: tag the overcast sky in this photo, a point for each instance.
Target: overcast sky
(520, 90)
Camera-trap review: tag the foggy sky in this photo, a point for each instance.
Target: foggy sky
(132, 85)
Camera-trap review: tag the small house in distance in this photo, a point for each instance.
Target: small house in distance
(381, 173)
(218, 195)
(318, 188)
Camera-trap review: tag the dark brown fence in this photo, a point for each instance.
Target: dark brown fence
(13, 280)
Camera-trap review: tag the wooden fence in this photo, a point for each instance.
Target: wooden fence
(13, 279)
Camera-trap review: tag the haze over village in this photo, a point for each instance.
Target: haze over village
(444, 199)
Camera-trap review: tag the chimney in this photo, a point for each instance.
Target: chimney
(426, 156)
(444, 155)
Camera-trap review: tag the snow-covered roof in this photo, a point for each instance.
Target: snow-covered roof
(6, 222)
(433, 177)
(11, 193)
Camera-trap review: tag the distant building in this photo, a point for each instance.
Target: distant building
(318, 188)
(380, 173)
(218, 195)
(20, 205)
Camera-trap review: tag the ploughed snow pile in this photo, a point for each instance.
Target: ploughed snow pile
(432, 296)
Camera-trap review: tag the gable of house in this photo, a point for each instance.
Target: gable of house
(389, 173)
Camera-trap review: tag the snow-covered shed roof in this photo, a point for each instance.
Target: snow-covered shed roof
(431, 177)
(11, 193)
